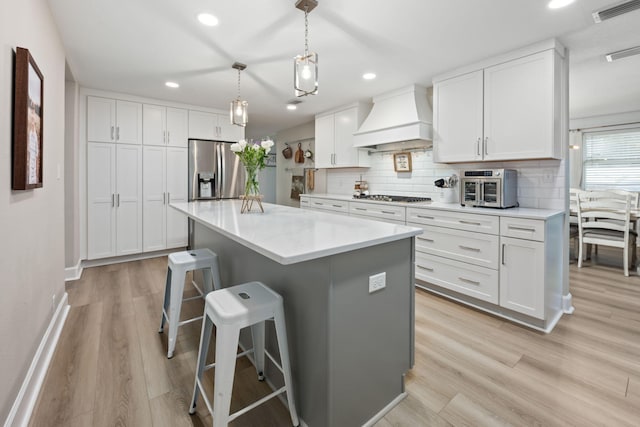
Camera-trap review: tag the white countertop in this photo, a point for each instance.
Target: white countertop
(289, 235)
(529, 213)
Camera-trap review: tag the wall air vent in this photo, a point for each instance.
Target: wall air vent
(614, 56)
(616, 10)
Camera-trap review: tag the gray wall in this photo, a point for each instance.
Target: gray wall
(31, 222)
(71, 177)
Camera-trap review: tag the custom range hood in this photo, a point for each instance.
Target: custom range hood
(397, 116)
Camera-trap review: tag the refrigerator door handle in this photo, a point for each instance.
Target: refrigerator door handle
(219, 176)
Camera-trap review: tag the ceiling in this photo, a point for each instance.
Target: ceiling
(133, 47)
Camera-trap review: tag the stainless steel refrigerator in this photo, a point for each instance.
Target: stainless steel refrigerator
(215, 172)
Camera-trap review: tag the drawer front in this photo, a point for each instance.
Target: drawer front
(474, 248)
(329, 205)
(520, 228)
(387, 212)
(489, 224)
(373, 218)
(471, 280)
(304, 202)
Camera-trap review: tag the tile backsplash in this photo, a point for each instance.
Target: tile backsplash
(541, 183)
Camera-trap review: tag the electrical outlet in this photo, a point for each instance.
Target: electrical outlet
(377, 282)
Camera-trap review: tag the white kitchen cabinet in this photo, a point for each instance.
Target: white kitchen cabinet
(164, 180)
(164, 126)
(205, 125)
(530, 265)
(507, 264)
(522, 276)
(334, 138)
(507, 111)
(114, 194)
(111, 120)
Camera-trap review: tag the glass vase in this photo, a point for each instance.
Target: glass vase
(251, 195)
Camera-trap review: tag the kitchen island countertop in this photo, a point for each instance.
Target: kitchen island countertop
(289, 235)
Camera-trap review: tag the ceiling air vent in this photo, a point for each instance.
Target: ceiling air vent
(616, 10)
(614, 56)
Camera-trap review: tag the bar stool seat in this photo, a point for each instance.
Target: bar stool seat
(179, 264)
(230, 310)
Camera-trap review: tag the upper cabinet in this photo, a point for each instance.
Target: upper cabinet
(164, 126)
(507, 111)
(203, 125)
(111, 120)
(334, 138)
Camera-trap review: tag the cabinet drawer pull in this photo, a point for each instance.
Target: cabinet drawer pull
(318, 203)
(337, 206)
(513, 227)
(424, 268)
(388, 212)
(425, 239)
(469, 248)
(118, 200)
(117, 133)
(473, 282)
(503, 248)
(469, 222)
(164, 198)
(360, 209)
(168, 136)
(112, 133)
(113, 200)
(168, 197)
(425, 217)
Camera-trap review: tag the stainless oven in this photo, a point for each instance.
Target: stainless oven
(492, 188)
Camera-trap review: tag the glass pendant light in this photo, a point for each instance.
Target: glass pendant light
(305, 67)
(238, 111)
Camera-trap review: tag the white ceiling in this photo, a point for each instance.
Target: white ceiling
(134, 46)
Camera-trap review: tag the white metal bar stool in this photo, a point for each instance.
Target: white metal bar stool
(232, 309)
(179, 264)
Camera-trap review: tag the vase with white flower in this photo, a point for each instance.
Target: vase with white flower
(253, 156)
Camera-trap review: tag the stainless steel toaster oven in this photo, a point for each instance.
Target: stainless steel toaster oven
(492, 188)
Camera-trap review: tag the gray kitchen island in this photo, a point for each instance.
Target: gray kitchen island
(349, 347)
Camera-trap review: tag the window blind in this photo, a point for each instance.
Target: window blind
(612, 160)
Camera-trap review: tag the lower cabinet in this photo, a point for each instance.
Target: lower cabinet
(114, 195)
(513, 263)
(165, 169)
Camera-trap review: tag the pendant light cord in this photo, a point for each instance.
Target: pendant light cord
(306, 31)
(238, 84)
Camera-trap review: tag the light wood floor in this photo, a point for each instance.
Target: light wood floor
(472, 369)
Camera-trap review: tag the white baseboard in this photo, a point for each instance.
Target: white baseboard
(567, 304)
(127, 258)
(73, 273)
(25, 401)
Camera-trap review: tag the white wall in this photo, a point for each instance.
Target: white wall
(540, 182)
(31, 222)
(286, 168)
(71, 176)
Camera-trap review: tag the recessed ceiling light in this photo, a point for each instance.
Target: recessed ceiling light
(369, 76)
(557, 4)
(172, 84)
(292, 107)
(208, 19)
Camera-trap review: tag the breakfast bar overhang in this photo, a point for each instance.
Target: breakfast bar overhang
(349, 347)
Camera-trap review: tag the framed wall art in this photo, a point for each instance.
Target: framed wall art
(402, 162)
(27, 122)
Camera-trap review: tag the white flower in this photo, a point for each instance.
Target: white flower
(255, 147)
(243, 143)
(267, 144)
(236, 148)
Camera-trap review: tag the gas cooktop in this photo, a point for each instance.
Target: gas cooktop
(388, 198)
